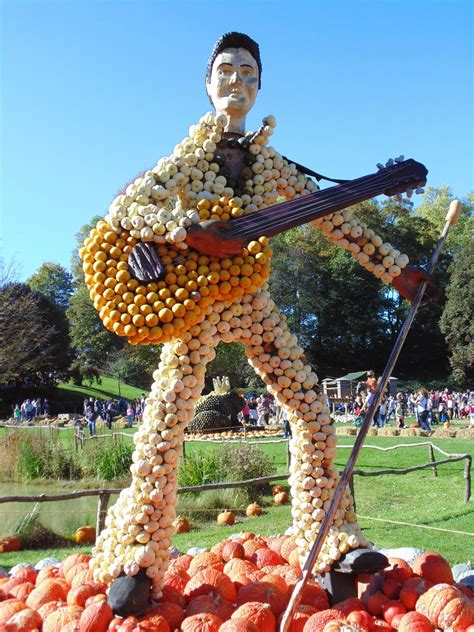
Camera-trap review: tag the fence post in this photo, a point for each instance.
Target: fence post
(432, 458)
(102, 511)
(467, 476)
(288, 453)
(184, 450)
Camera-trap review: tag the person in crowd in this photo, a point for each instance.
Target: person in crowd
(391, 412)
(422, 410)
(90, 415)
(450, 406)
(253, 411)
(263, 410)
(246, 413)
(400, 411)
(139, 411)
(371, 381)
(110, 412)
(17, 415)
(130, 414)
(382, 412)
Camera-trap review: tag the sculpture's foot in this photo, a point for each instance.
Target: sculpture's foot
(361, 561)
(340, 582)
(130, 595)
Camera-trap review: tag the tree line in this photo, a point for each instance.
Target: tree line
(345, 318)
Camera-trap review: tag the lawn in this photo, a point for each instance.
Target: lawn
(433, 508)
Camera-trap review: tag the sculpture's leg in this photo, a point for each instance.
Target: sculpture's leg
(139, 526)
(274, 353)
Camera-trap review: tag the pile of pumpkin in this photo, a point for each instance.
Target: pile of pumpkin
(241, 585)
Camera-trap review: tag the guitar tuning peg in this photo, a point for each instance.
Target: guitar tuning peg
(420, 190)
(380, 166)
(389, 162)
(400, 158)
(409, 193)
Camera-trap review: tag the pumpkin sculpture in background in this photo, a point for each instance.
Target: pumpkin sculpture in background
(218, 410)
(157, 272)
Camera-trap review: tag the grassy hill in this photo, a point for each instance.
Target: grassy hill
(69, 398)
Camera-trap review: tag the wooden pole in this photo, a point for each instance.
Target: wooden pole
(104, 498)
(432, 458)
(467, 476)
(352, 490)
(451, 218)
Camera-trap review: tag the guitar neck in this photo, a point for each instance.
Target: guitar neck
(281, 217)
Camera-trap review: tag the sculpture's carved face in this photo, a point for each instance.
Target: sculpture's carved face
(234, 82)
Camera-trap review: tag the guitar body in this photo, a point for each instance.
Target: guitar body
(159, 311)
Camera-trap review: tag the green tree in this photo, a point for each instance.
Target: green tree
(54, 281)
(456, 322)
(34, 331)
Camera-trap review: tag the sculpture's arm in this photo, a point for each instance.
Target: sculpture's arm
(346, 230)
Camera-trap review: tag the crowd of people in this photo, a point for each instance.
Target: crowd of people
(30, 409)
(106, 410)
(428, 407)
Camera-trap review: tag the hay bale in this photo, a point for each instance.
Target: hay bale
(445, 433)
(465, 433)
(409, 432)
(389, 432)
(346, 431)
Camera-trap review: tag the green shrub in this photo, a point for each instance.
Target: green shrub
(199, 468)
(106, 460)
(242, 462)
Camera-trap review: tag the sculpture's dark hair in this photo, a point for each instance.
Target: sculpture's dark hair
(235, 40)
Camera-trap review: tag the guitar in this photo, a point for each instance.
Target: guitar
(151, 292)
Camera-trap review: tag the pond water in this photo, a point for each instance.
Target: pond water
(62, 517)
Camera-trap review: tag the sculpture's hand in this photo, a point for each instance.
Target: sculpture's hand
(410, 279)
(213, 237)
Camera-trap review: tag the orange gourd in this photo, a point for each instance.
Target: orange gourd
(415, 622)
(411, 591)
(211, 581)
(85, 535)
(212, 604)
(73, 559)
(238, 625)
(202, 561)
(9, 607)
(231, 550)
(201, 623)
(48, 590)
(96, 618)
(226, 518)
(266, 557)
(264, 593)
(236, 566)
(318, 621)
(259, 614)
(26, 620)
(57, 620)
(22, 591)
(433, 567)
(173, 613)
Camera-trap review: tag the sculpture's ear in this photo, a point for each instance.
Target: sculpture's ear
(208, 91)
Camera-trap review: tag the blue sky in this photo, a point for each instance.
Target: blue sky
(92, 92)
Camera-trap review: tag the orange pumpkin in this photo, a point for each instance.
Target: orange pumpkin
(399, 570)
(212, 604)
(250, 546)
(83, 577)
(361, 618)
(173, 613)
(10, 544)
(264, 593)
(72, 560)
(375, 603)
(204, 622)
(181, 525)
(432, 602)
(46, 609)
(278, 489)
(57, 620)
(433, 567)
(350, 605)
(205, 560)
(411, 591)
(9, 607)
(85, 535)
(236, 566)
(25, 574)
(238, 625)
(22, 591)
(79, 595)
(415, 622)
(26, 619)
(318, 621)
(301, 616)
(260, 614)
(225, 518)
(211, 581)
(276, 543)
(48, 590)
(231, 550)
(253, 509)
(313, 595)
(96, 618)
(266, 557)
(281, 499)
(392, 608)
(49, 572)
(288, 545)
(457, 614)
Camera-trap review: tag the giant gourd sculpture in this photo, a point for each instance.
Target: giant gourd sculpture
(182, 258)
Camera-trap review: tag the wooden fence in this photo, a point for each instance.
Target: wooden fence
(104, 494)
